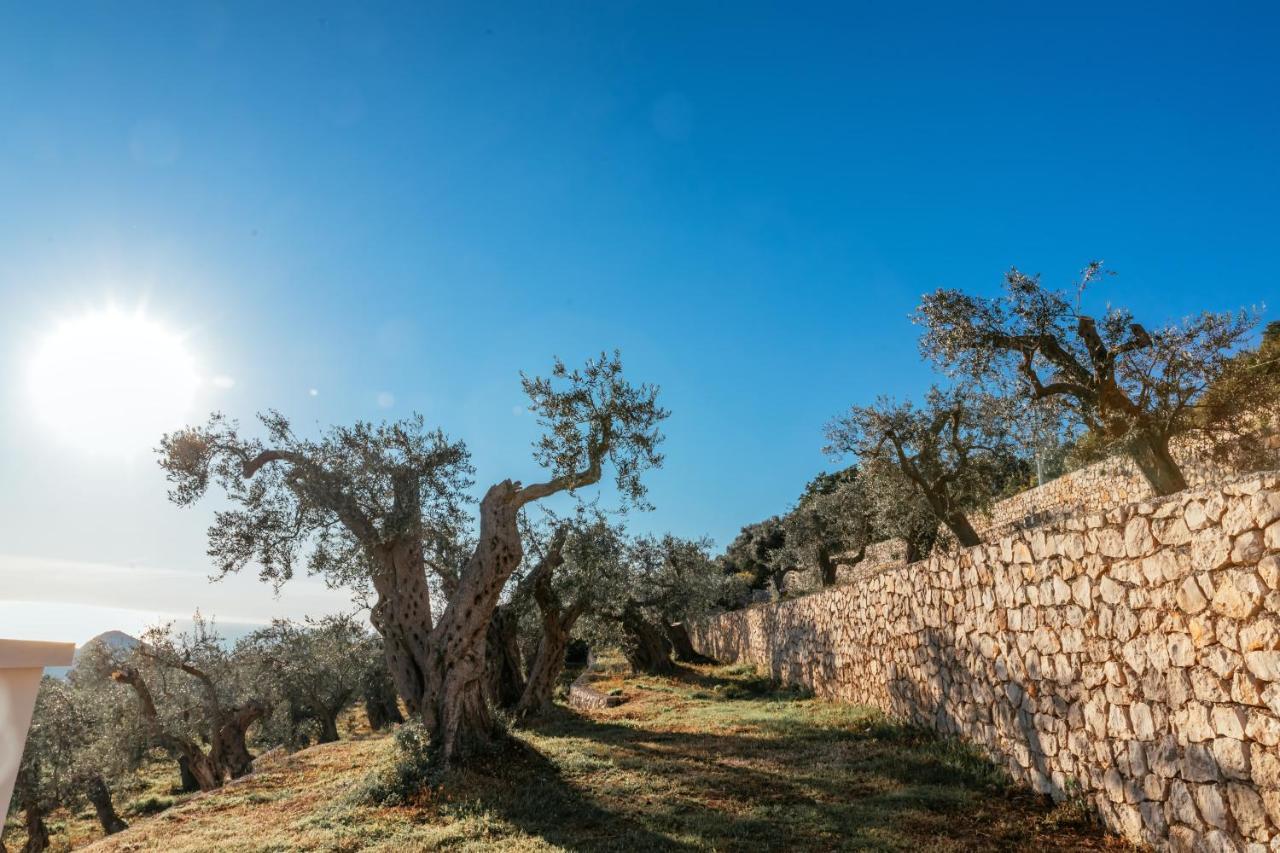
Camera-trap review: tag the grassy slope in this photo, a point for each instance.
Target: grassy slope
(713, 760)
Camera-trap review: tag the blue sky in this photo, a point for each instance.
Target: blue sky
(404, 206)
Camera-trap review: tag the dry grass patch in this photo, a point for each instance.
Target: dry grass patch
(713, 760)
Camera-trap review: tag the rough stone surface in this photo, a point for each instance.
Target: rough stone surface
(1130, 650)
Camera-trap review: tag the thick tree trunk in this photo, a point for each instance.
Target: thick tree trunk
(682, 646)
(100, 795)
(1151, 454)
(189, 782)
(826, 567)
(959, 524)
(548, 663)
(202, 768)
(37, 831)
(645, 647)
(206, 773)
(328, 727)
(504, 670)
(402, 616)
(380, 701)
(229, 753)
(455, 712)
(557, 622)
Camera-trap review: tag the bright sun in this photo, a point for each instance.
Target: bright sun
(112, 381)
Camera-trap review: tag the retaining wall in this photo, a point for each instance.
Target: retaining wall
(1132, 654)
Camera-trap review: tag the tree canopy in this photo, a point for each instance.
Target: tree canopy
(1132, 387)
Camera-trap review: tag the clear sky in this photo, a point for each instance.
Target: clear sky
(401, 207)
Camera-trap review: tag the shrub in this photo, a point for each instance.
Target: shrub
(406, 771)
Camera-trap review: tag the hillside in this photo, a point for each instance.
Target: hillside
(713, 760)
(116, 641)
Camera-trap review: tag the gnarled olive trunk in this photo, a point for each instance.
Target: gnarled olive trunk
(955, 520)
(99, 795)
(557, 622)
(328, 727)
(645, 647)
(402, 616)
(548, 663)
(959, 524)
(1150, 452)
(229, 753)
(454, 709)
(33, 820)
(827, 568)
(189, 783)
(682, 646)
(203, 770)
(504, 670)
(37, 831)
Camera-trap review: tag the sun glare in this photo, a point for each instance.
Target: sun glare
(112, 381)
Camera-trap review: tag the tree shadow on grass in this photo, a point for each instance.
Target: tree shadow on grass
(797, 784)
(526, 789)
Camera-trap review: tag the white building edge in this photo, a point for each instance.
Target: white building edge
(22, 664)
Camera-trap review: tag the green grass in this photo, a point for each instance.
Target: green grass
(716, 759)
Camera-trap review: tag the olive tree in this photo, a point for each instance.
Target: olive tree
(311, 671)
(834, 518)
(898, 508)
(759, 554)
(668, 581)
(47, 774)
(191, 690)
(584, 564)
(1132, 388)
(367, 502)
(955, 449)
(69, 758)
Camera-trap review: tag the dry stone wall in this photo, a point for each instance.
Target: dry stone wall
(1132, 656)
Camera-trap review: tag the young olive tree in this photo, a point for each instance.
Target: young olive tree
(833, 519)
(955, 449)
(370, 501)
(1130, 387)
(190, 690)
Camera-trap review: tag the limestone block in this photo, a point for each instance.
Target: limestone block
(1265, 769)
(1249, 811)
(1248, 548)
(1265, 665)
(1262, 634)
(1191, 599)
(1269, 567)
(1209, 802)
(1232, 757)
(1266, 508)
(1263, 728)
(1238, 518)
(1138, 541)
(1239, 594)
(1182, 806)
(1110, 591)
